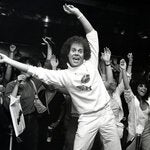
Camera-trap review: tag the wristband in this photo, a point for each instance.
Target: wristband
(80, 16)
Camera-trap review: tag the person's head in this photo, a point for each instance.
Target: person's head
(75, 50)
(141, 88)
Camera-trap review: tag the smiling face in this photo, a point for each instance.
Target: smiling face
(142, 89)
(76, 55)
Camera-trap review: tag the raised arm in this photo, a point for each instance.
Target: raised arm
(70, 9)
(8, 72)
(47, 41)
(124, 74)
(106, 58)
(129, 68)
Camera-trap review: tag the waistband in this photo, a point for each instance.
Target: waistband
(101, 110)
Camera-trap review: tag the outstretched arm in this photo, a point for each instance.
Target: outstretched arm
(16, 64)
(70, 9)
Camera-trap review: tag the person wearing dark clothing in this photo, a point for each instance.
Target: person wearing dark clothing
(51, 118)
(30, 135)
(24, 88)
(4, 128)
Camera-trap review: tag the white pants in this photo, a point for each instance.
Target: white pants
(89, 124)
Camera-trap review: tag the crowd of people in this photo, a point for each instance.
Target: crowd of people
(93, 102)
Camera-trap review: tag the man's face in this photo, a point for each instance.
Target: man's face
(76, 55)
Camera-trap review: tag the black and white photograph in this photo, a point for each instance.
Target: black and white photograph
(74, 75)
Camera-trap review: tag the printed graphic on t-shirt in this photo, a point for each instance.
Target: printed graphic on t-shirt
(85, 79)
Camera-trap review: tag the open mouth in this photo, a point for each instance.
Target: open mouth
(76, 59)
(142, 92)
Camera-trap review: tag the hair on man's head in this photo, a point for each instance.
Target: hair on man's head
(66, 48)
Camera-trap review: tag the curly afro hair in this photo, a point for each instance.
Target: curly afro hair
(66, 48)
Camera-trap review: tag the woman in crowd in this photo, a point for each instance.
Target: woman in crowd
(139, 109)
(115, 90)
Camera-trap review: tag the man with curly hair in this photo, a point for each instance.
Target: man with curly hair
(84, 84)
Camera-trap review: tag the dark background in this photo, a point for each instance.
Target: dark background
(123, 25)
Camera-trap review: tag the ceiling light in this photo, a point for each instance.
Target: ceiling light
(46, 21)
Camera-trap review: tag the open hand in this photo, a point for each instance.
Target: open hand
(70, 9)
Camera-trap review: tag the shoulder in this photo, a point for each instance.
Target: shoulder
(9, 87)
(10, 84)
(93, 33)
